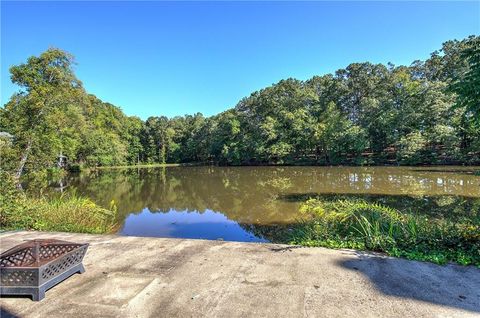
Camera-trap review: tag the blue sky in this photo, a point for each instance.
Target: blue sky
(175, 58)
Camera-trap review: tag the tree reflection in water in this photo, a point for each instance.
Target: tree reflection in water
(263, 201)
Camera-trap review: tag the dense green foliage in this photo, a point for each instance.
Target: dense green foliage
(53, 116)
(467, 85)
(68, 213)
(365, 225)
(425, 113)
(363, 114)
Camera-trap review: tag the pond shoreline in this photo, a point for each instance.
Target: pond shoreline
(413, 212)
(207, 164)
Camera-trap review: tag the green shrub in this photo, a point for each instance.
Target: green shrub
(12, 203)
(410, 148)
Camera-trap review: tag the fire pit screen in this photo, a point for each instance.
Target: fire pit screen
(35, 266)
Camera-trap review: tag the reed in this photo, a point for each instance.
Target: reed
(372, 226)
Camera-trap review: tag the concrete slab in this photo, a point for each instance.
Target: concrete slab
(156, 277)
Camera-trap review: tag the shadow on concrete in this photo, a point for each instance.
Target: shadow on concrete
(283, 249)
(443, 285)
(4, 313)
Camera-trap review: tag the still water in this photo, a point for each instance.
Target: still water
(248, 203)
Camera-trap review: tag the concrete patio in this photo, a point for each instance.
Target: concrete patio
(156, 277)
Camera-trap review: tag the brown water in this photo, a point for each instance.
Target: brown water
(246, 203)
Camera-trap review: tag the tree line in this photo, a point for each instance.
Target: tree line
(425, 113)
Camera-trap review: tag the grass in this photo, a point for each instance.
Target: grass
(67, 213)
(70, 214)
(358, 224)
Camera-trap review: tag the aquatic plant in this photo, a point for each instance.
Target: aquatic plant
(372, 226)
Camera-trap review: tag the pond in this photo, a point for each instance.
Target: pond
(250, 203)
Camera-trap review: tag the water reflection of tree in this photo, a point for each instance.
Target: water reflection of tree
(275, 233)
(266, 195)
(446, 206)
(234, 192)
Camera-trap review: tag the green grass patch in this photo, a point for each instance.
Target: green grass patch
(358, 224)
(67, 213)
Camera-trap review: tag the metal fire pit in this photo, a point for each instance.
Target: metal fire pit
(35, 266)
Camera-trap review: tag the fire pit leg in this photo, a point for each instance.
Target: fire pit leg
(38, 294)
(81, 270)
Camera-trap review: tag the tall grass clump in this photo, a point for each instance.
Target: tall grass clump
(66, 213)
(71, 213)
(372, 226)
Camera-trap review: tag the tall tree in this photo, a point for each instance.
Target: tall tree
(48, 85)
(363, 114)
